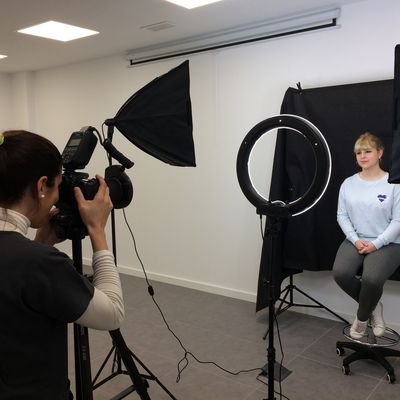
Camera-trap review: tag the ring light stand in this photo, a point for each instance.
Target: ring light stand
(278, 209)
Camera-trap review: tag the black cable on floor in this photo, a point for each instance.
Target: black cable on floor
(184, 361)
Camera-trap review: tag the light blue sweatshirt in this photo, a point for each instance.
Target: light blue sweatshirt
(369, 210)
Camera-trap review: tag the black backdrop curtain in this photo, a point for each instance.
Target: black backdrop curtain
(309, 241)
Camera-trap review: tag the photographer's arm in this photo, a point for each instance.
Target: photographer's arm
(106, 309)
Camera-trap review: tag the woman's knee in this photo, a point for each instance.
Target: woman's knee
(374, 283)
(341, 276)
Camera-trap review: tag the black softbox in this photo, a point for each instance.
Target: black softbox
(158, 118)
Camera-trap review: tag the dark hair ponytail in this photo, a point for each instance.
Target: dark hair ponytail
(24, 158)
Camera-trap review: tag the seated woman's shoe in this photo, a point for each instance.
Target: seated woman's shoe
(377, 322)
(357, 330)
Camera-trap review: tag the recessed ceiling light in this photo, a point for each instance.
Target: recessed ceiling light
(2, 56)
(58, 31)
(192, 3)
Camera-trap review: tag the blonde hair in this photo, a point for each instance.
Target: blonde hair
(368, 141)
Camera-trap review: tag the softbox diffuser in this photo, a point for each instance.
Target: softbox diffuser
(158, 118)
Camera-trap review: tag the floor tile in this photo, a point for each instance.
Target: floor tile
(228, 332)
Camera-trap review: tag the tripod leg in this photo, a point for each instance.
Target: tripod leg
(94, 383)
(124, 352)
(320, 304)
(84, 389)
(152, 376)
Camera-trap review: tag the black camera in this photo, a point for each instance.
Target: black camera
(76, 155)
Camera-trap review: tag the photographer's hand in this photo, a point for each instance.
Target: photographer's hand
(46, 233)
(106, 309)
(94, 213)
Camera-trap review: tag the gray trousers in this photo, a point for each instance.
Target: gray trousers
(363, 276)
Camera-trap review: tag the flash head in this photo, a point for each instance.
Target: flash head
(79, 149)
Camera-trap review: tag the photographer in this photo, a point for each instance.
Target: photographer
(40, 290)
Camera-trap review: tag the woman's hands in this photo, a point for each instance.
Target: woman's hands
(46, 233)
(364, 247)
(95, 213)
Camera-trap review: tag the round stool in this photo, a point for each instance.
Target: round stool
(370, 347)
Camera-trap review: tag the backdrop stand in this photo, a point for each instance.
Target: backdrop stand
(285, 303)
(288, 292)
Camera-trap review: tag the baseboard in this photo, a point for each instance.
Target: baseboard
(205, 287)
(191, 284)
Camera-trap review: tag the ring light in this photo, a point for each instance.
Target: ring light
(323, 166)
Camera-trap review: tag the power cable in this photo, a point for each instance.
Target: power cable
(184, 362)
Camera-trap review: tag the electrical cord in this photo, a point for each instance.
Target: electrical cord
(184, 361)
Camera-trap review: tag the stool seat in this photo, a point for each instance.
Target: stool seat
(370, 347)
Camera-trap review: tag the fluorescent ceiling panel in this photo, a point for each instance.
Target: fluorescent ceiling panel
(58, 31)
(2, 56)
(192, 3)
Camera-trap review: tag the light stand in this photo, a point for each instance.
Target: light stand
(83, 376)
(278, 210)
(122, 354)
(273, 226)
(158, 120)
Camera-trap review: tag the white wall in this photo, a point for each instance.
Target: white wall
(193, 226)
(5, 104)
(16, 101)
(22, 100)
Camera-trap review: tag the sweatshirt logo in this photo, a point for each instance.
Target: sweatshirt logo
(381, 197)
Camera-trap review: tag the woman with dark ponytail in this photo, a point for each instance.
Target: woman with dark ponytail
(40, 290)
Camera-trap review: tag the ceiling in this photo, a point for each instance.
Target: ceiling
(122, 23)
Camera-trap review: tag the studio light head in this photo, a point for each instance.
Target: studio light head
(157, 119)
(323, 165)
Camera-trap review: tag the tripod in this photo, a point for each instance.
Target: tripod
(273, 226)
(288, 292)
(84, 384)
(287, 301)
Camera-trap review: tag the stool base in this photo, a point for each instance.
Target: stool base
(370, 348)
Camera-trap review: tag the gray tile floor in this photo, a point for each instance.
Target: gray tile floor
(226, 331)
